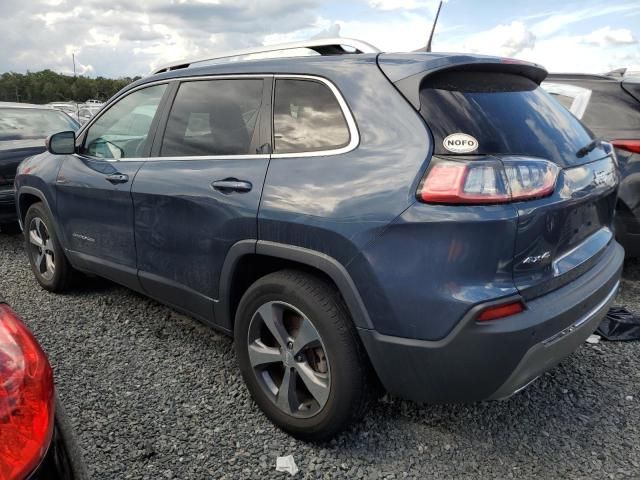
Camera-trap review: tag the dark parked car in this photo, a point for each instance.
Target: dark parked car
(432, 221)
(23, 129)
(610, 106)
(36, 440)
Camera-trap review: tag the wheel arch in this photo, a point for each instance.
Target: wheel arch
(27, 196)
(263, 257)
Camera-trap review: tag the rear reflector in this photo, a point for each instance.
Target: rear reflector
(475, 182)
(26, 399)
(628, 145)
(501, 311)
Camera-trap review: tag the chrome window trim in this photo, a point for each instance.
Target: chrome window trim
(354, 134)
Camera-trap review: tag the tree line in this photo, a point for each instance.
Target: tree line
(48, 86)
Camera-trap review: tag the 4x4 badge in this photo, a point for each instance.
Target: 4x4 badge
(460, 143)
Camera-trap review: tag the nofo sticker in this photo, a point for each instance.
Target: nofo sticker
(460, 143)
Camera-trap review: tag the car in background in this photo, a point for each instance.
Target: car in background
(23, 130)
(87, 110)
(434, 223)
(70, 108)
(36, 439)
(610, 106)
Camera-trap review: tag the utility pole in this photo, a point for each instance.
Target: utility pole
(433, 28)
(73, 56)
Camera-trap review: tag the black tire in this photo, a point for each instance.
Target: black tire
(348, 370)
(59, 278)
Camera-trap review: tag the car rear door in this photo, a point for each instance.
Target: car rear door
(93, 187)
(199, 192)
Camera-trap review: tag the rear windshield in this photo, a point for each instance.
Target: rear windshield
(506, 113)
(32, 123)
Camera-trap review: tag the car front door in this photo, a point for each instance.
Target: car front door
(94, 204)
(199, 191)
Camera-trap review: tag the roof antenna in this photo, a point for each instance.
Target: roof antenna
(433, 28)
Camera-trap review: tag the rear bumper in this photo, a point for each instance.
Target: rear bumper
(8, 211)
(496, 359)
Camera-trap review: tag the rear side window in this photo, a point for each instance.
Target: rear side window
(506, 113)
(307, 118)
(213, 117)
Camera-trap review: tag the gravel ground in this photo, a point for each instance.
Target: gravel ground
(154, 394)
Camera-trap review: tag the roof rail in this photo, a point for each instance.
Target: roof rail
(323, 46)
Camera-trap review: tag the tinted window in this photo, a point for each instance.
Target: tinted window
(507, 114)
(122, 131)
(307, 118)
(216, 117)
(32, 123)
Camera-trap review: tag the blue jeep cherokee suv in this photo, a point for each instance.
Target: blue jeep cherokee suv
(433, 223)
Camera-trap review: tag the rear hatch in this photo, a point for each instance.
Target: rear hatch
(517, 145)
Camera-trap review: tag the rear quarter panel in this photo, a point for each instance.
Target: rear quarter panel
(338, 204)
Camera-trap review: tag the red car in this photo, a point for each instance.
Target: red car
(36, 441)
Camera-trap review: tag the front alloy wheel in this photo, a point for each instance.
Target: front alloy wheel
(289, 359)
(41, 247)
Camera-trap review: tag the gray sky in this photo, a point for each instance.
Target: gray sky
(116, 37)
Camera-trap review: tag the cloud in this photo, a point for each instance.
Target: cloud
(120, 37)
(607, 36)
(503, 40)
(555, 22)
(399, 4)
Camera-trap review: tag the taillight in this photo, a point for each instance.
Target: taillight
(487, 181)
(26, 399)
(628, 145)
(501, 311)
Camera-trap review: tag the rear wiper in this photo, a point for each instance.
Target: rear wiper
(589, 147)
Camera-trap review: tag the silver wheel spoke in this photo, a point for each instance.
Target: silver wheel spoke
(286, 398)
(40, 263)
(272, 317)
(260, 354)
(306, 337)
(35, 239)
(51, 266)
(316, 383)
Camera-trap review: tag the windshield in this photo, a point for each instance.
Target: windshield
(32, 123)
(507, 114)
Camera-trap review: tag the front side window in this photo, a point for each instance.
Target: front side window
(123, 130)
(307, 117)
(213, 117)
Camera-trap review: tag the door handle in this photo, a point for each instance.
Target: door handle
(229, 185)
(118, 178)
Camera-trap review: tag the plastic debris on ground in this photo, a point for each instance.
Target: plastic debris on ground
(619, 325)
(593, 339)
(286, 464)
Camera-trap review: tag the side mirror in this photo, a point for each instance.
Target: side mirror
(62, 143)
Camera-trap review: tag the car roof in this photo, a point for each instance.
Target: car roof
(25, 105)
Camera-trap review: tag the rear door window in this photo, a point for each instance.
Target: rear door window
(507, 114)
(212, 118)
(307, 118)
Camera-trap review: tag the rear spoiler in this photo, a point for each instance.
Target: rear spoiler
(407, 71)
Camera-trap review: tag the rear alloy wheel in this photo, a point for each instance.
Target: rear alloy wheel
(47, 259)
(289, 359)
(300, 355)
